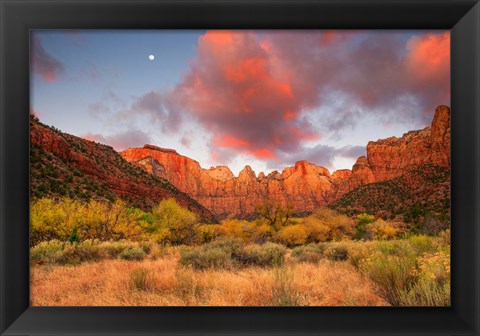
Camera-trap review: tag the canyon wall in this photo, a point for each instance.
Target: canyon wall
(305, 186)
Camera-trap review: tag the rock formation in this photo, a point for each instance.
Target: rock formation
(305, 185)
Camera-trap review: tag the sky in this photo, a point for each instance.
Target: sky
(261, 98)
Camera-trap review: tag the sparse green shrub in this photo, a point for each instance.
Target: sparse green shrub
(47, 251)
(231, 246)
(391, 272)
(426, 293)
(142, 279)
(204, 258)
(266, 255)
(132, 254)
(363, 220)
(217, 254)
(229, 253)
(422, 244)
(336, 252)
(309, 253)
(89, 250)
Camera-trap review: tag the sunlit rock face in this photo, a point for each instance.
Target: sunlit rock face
(305, 186)
(391, 157)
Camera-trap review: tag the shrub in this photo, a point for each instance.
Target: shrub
(266, 255)
(316, 229)
(326, 224)
(67, 219)
(293, 235)
(432, 281)
(422, 244)
(426, 293)
(229, 253)
(47, 251)
(74, 236)
(309, 253)
(380, 230)
(231, 246)
(208, 232)
(142, 279)
(391, 272)
(336, 253)
(132, 254)
(363, 220)
(178, 220)
(257, 231)
(89, 250)
(203, 258)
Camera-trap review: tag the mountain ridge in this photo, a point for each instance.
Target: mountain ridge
(65, 165)
(305, 185)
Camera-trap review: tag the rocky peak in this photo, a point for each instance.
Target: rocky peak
(392, 157)
(341, 174)
(160, 149)
(361, 163)
(222, 173)
(247, 171)
(441, 122)
(274, 175)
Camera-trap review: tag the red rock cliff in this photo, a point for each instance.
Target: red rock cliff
(305, 185)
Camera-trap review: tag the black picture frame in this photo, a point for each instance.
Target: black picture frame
(18, 17)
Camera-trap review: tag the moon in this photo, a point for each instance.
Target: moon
(151, 57)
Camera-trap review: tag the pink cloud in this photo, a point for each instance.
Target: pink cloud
(44, 64)
(253, 91)
(122, 140)
(235, 91)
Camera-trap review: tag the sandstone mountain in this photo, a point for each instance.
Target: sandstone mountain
(306, 186)
(65, 165)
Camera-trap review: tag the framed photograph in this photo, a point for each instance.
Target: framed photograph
(228, 167)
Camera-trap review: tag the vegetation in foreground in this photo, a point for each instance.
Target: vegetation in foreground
(413, 272)
(275, 260)
(160, 280)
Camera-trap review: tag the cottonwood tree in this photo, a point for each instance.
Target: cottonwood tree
(277, 214)
(173, 223)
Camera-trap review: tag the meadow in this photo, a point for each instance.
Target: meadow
(89, 254)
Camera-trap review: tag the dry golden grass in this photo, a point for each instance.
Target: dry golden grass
(162, 282)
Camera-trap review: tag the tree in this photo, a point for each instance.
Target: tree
(275, 212)
(74, 237)
(174, 223)
(326, 224)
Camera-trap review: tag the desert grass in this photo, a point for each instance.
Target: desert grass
(162, 281)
